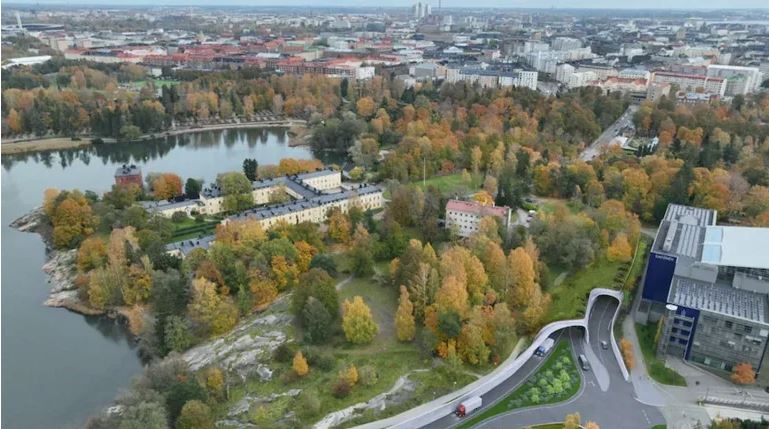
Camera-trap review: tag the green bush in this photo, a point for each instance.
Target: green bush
(308, 404)
(367, 375)
(285, 352)
(179, 217)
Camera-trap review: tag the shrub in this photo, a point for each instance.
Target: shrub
(368, 375)
(289, 377)
(341, 388)
(324, 362)
(284, 352)
(308, 404)
(179, 217)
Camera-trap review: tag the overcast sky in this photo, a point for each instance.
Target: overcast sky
(601, 4)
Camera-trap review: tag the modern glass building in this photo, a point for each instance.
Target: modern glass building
(707, 286)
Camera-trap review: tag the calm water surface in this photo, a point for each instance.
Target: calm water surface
(59, 367)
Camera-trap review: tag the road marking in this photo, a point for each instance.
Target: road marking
(646, 416)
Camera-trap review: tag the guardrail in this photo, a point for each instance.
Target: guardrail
(440, 407)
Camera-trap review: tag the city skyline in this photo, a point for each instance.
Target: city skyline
(491, 4)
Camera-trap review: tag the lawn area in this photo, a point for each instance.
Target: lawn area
(158, 82)
(570, 297)
(451, 184)
(190, 228)
(383, 302)
(656, 368)
(556, 380)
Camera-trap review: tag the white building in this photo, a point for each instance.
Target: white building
(746, 79)
(566, 43)
(634, 74)
(464, 217)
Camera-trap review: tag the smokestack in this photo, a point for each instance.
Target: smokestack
(18, 20)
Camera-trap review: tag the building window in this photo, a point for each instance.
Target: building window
(728, 324)
(748, 329)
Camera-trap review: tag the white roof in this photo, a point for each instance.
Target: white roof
(736, 246)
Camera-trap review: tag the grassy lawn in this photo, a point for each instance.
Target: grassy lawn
(451, 184)
(556, 380)
(190, 228)
(656, 368)
(383, 302)
(570, 297)
(158, 82)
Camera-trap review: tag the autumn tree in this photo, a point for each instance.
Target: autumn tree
(743, 373)
(592, 425)
(214, 314)
(71, 216)
(620, 250)
(338, 226)
(91, 254)
(357, 322)
(214, 380)
(166, 186)
(299, 365)
(572, 421)
(626, 347)
(452, 296)
(365, 107)
(522, 287)
(405, 326)
(263, 289)
(195, 415)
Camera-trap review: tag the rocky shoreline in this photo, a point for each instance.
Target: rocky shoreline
(59, 267)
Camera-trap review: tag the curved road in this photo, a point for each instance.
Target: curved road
(604, 397)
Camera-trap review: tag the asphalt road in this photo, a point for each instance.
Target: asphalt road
(611, 403)
(608, 134)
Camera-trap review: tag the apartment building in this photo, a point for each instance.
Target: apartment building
(691, 82)
(464, 217)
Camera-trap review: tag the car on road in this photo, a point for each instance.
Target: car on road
(584, 363)
(604, 345)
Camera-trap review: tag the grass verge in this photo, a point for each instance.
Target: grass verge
(570, 297)
(656, 368)
(556, 380)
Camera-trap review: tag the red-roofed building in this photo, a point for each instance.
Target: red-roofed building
(465, 216)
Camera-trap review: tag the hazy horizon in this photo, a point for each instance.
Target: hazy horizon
(523, 4)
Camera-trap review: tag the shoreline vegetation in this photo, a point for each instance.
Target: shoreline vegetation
(297, 130)
(59, 271)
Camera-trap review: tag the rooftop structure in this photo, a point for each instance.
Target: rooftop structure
(710, 285)
(719, 298)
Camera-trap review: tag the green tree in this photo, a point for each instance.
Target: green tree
(176, 334)
(249, 168)
(316, 321)
(193, 187)
(361, 253)
(237, 191)
(144, 415)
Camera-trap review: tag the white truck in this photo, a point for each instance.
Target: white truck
(469, 405)
(545, 347)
